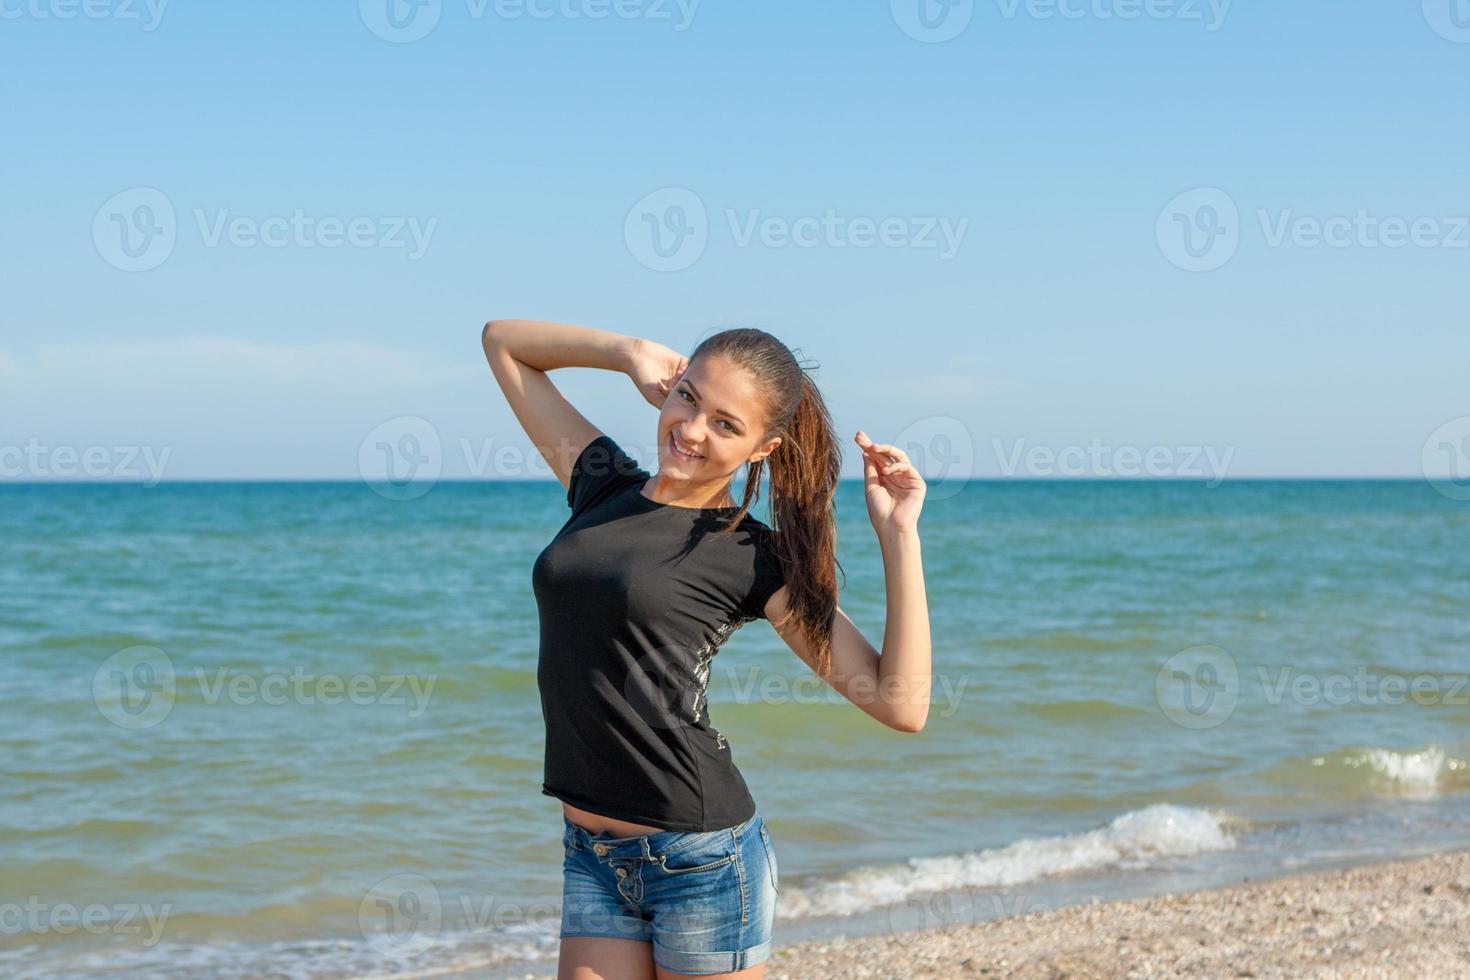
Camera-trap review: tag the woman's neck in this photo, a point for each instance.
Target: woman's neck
(694, 497)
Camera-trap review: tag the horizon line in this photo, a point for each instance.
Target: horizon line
(846, 479)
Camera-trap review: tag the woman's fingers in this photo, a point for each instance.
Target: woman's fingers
(885, 449)
(887, 457)
(881, 458)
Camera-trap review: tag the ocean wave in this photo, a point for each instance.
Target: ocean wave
(1378, 772)
(440, 955)
(1131, 840)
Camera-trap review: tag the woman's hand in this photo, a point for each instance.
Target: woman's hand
(895, 490)
(655, 369)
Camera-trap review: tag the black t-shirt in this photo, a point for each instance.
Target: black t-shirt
(635, 599)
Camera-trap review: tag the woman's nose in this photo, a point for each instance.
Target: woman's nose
(693, 432)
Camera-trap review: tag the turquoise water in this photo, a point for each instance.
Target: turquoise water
(296, 725)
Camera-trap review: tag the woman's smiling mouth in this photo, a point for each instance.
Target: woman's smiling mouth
(674, 446)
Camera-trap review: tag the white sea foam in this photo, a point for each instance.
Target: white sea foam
(1425, 774)
(1132, 840)
(453, 952)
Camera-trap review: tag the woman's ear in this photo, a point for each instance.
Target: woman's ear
(765, 450)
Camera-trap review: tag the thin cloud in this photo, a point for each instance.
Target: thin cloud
(224, 367)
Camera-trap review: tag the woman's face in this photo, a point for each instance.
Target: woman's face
(715, 413)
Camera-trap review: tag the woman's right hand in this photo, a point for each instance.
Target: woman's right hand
(655, 369)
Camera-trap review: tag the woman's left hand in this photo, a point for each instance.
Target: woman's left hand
(655, 369)
(894, 488)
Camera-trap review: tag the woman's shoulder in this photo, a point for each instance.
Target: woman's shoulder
(759, 534)
(601, 471)
(765, 567)
(753, 524)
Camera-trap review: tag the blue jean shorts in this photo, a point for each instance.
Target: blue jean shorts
(705, 901)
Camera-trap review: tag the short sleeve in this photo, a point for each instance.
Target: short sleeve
(600, 471)
(769, 576)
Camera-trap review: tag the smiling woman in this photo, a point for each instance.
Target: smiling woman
(670, 868)
(703, 434)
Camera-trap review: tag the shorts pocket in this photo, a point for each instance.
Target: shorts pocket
(708, 854)
(770, 857)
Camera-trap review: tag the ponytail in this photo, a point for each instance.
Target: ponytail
(804, 470)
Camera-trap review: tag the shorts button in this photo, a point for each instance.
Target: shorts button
(622, 872)
(600, 848)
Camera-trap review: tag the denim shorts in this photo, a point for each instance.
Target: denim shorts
(705, 901)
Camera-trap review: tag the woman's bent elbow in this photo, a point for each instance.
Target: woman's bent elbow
(910, 725)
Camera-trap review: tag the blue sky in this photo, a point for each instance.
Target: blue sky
(502, 165)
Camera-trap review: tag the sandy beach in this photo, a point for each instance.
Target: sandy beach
(1407, 918)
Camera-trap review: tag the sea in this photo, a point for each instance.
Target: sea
(292, 729)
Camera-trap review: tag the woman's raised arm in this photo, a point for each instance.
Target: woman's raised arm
(520, 353)
(893, 686)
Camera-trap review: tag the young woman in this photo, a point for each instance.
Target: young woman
(668, 868)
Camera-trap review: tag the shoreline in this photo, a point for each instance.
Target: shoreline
(1405, 917)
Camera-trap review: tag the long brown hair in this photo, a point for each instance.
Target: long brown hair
(804, 470)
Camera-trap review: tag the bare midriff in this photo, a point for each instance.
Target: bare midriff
(597, 823)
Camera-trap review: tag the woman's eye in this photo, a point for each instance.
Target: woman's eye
(729, 426)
